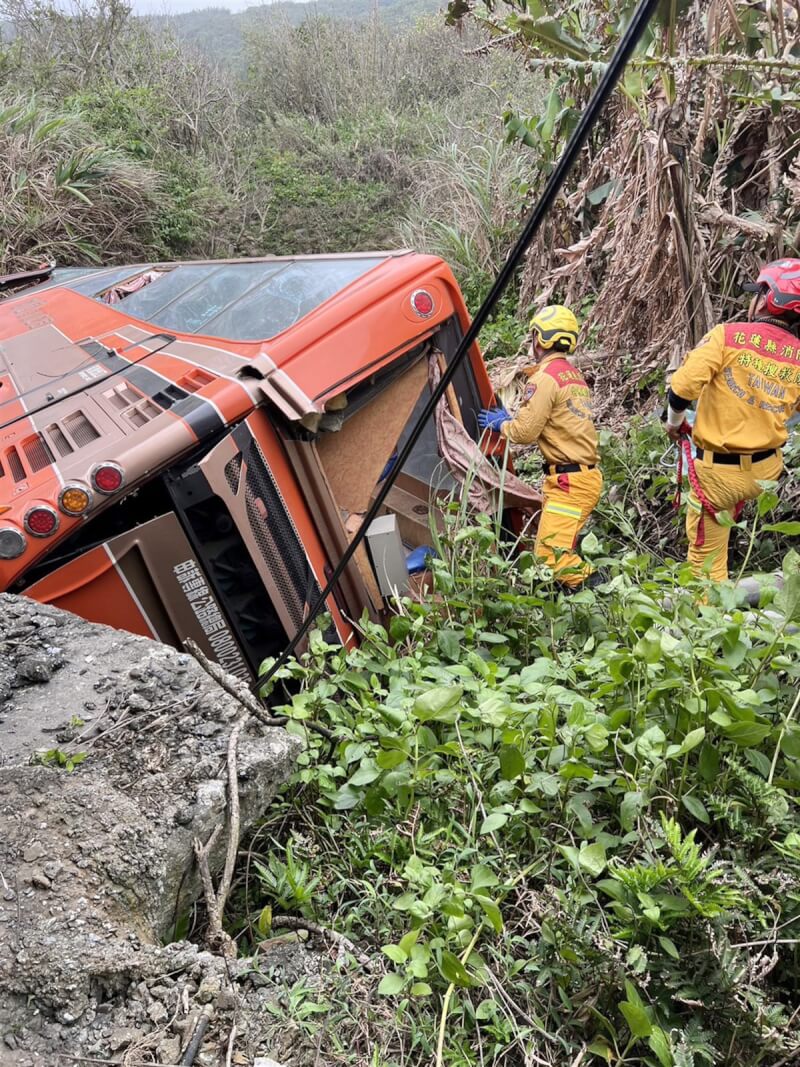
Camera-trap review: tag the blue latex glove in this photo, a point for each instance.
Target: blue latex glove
(492, 418)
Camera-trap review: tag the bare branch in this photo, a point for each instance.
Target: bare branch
(292, 922)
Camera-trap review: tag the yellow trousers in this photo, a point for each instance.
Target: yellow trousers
(569, 500)
(725, 486)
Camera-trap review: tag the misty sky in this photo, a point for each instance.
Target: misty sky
(171, 7)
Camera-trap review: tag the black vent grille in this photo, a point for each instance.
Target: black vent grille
(15, 465)
(277, 537)
(58, 438)
(233, 473)
(37, 452)
(80, 429)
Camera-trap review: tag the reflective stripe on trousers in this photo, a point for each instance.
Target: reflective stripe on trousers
(569, 500)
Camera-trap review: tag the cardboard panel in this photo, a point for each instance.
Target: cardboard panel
(358, 583)
(354, 457)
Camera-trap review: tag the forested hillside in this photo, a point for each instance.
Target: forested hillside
(323, 141)
(221, 33)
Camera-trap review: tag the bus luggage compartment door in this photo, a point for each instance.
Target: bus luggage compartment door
(147, 581)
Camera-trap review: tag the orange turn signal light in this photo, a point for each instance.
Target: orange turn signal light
(74, 499)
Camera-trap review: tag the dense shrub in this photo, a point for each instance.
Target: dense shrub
(568, 825)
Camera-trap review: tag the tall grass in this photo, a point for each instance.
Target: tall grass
(329, 142)
(466, 206)
(64, 195)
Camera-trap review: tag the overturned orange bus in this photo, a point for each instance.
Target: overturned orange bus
(186, 447)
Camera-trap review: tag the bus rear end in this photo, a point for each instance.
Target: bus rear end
(239, 497)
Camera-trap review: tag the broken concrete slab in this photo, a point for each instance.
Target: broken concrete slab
(97, 864)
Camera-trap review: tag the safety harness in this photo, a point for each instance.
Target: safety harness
(685, 453)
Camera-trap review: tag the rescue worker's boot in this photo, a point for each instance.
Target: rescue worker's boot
(596, 578)
(756, 584)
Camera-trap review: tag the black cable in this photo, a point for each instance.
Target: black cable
(611, 76)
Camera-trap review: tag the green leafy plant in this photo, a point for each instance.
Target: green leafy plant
(287, 881)
(56, 757)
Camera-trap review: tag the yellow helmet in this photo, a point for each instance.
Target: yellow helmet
(554, 324)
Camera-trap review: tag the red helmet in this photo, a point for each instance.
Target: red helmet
(779, 281)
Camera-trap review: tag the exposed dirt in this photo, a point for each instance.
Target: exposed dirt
(96, 864)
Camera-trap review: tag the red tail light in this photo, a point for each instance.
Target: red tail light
(422, 303)
(107, 478)
(41, 521)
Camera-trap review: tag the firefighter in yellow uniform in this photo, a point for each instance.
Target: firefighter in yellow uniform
(556, 414)
(746, 378)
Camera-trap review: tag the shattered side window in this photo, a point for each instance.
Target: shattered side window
(244, 301)
(94, 280)
(62, 275)
(425, 461)
(217, 292)
(148, 303)
(285, 298)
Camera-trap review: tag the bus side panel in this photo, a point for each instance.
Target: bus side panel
(94, 587)
(146, 581)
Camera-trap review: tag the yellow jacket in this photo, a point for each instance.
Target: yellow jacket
(557, 413)
(747, 378)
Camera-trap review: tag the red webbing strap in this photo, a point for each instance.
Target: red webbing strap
(685, 450)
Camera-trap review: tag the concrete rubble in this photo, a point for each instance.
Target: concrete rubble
(96, 862)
